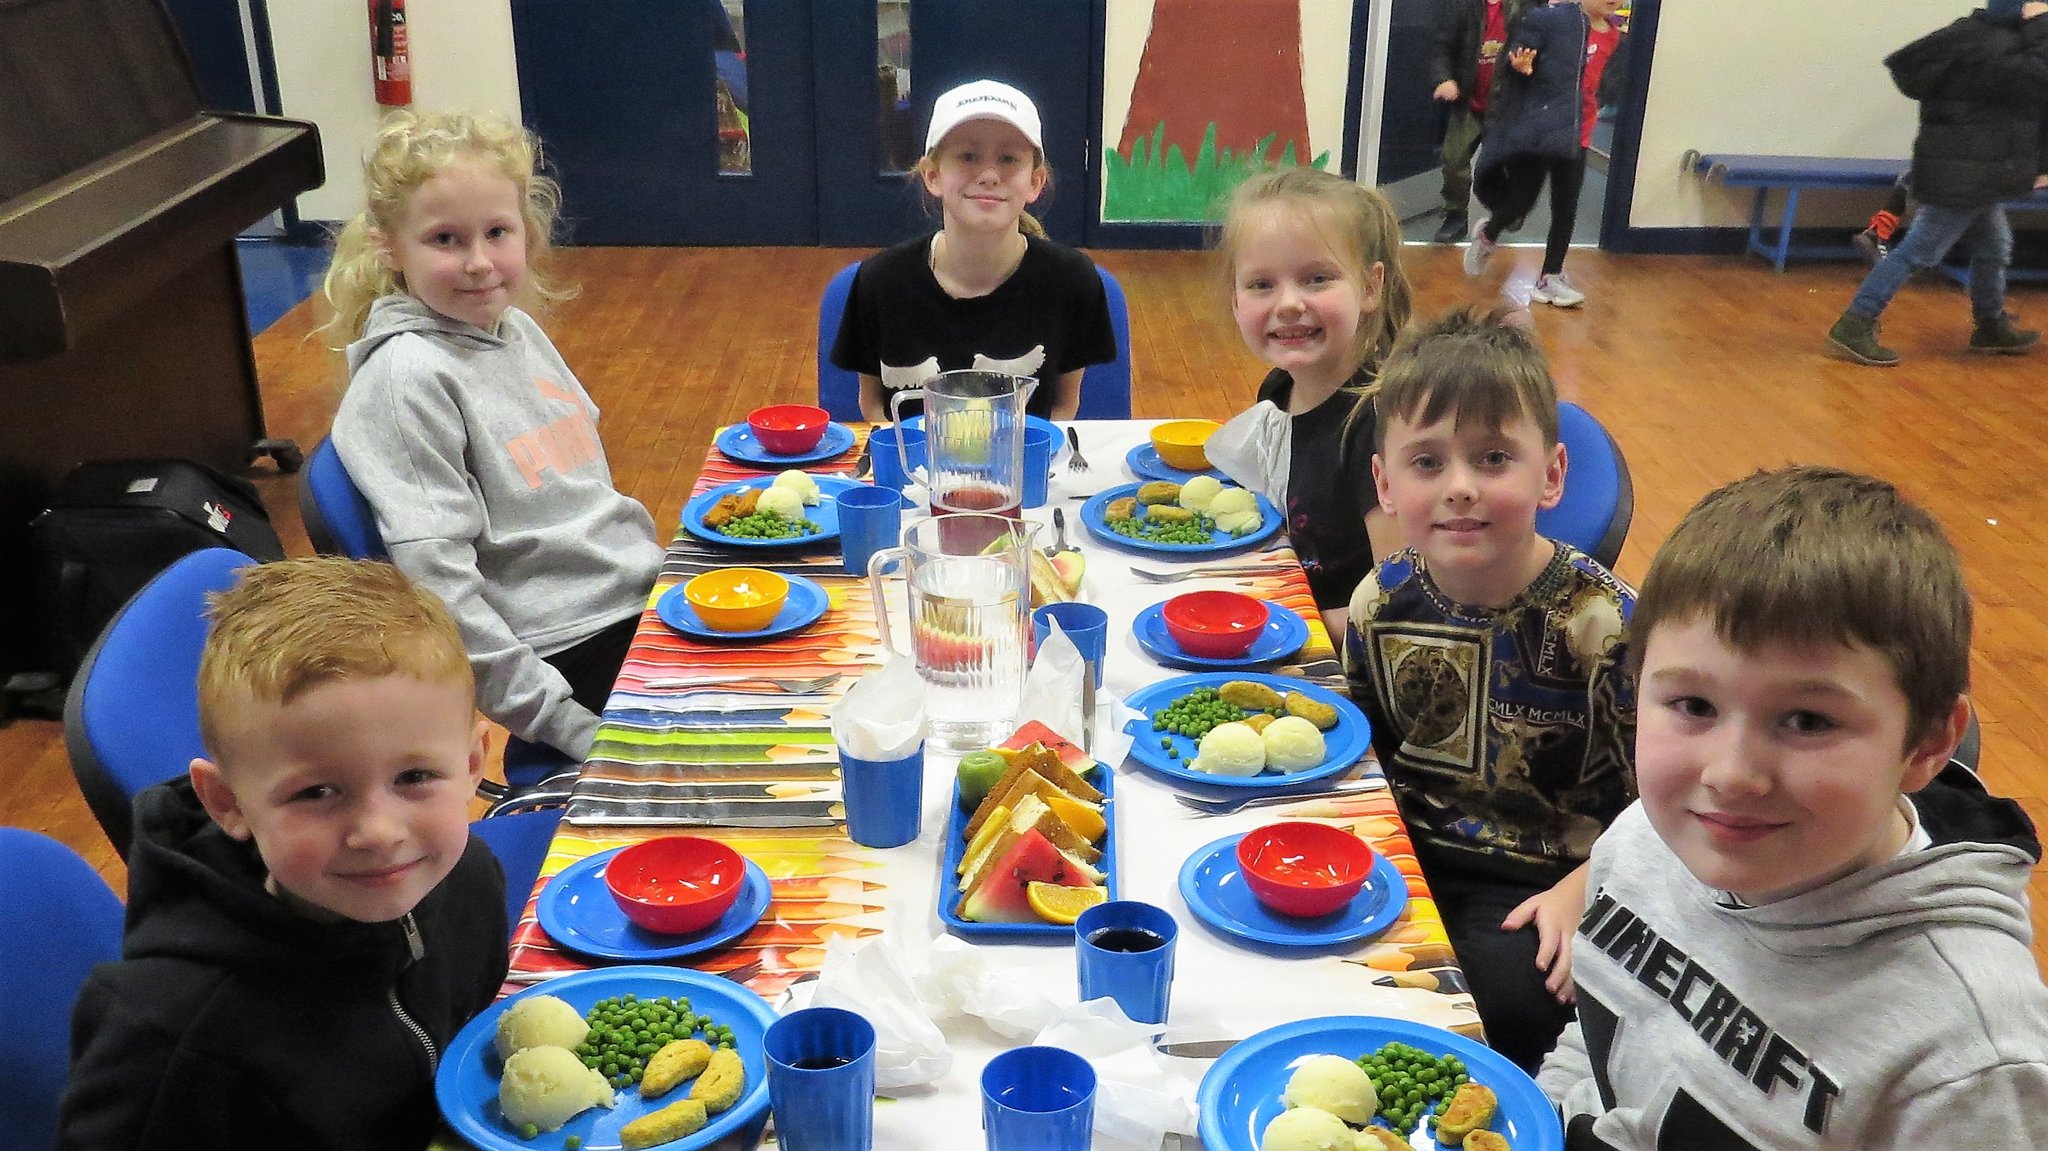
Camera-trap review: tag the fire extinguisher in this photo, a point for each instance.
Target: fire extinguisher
(393, 61)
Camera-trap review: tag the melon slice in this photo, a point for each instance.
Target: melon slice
(979, 842)
(1076, 761)
(1004, 893)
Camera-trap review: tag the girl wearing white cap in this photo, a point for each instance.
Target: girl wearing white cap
(988, 290)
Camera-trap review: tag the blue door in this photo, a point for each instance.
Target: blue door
(674, 122)
(871, 122)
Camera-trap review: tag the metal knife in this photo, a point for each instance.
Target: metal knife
(1206, 1049)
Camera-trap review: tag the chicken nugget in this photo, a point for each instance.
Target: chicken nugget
(1169, 514)
(1383, 1139)
(675, 1062)
(719, 1086)
(1469, 1109)
(683, 1117)
(1313, 710)
(1486, 1141)
(1258, 721)
(723, 512)
(1123, 509)
(1159, 492)
(1250, 695)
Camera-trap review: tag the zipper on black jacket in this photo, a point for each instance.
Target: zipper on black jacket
(418, 948)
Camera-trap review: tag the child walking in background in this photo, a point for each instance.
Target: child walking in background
(988, 290)
(309, 919)
(1313, 262)
(1541, 133)
(1795, 940)
(1982, 84)
(1490, 662)
(469, 436)
(1465, 63)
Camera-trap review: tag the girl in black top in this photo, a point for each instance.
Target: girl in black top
(987, 291)
(1317, 290)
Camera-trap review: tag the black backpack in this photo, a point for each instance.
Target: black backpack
(112, 525)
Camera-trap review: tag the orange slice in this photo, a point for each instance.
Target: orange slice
(1056, 904)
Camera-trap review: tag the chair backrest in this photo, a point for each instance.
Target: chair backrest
(1599, 498)
(838, 389)
(131, 719)
(1105, 388)
(57, 919)
(520, 841)
(339, 520)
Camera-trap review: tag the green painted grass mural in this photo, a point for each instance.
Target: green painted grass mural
(1156, 182)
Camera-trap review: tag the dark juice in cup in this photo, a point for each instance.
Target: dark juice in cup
(970, 537)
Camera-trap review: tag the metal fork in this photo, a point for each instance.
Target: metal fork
(743, 972)
(1076, 462)
(1238, 803)
(732, 683)
(1199, 573)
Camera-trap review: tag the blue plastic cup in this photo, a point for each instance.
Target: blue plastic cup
(1039, 443)
(869, 519)
(1124, 949)
(1084, 623)
(893, 451)
(1038, 1099)
(884, 798)
(821, 1080)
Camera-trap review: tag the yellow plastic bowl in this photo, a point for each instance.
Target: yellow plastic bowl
(1179, 443)
(737, 599)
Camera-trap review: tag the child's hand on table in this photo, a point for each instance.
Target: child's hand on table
(1556, 914)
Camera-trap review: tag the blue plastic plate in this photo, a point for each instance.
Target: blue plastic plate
(1145, 464)
(1241, 1092)
(1092, 514)
(1217, 894)
(806, 604)
(825, 514)
(1284, 634)
(1342, 745)
(466, 1087)
(577, 911)
(740, 446)
(956, 848)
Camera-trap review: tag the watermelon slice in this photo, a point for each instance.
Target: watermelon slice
(1002, 894)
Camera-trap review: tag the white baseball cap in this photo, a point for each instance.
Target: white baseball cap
(983, 100)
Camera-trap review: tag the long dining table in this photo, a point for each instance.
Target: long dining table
(732, 740)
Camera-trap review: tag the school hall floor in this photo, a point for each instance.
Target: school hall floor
(1703, 368)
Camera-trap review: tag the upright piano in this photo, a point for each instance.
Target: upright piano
(122, 326)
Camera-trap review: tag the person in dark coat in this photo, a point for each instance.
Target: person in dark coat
(1982, 84)
(1540, 132)
(1465, 72)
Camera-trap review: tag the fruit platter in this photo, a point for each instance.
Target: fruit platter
(1203, 516)
(1031, 841)
(1245, 729)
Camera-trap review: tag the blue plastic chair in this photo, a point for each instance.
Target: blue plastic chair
(58, 919)
(1599, 498)
(339, 520)
(1105, 388)
(131, 719)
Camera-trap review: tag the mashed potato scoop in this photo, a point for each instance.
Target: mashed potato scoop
(547, 1087)
(539, 1021)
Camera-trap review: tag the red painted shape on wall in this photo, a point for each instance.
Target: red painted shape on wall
(1234, 63)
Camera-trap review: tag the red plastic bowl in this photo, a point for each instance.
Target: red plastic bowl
(789, 429)
(1214, 624)
(1303, 869)
(676, 884)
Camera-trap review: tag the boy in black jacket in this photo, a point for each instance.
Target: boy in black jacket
(1982, 84)
(1464, 71)
(309, 919)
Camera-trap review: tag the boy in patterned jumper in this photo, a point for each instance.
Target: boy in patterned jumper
(1489, 660)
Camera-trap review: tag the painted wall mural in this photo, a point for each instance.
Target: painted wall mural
(1213, 89)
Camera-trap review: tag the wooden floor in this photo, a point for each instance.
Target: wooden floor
(1702, 368)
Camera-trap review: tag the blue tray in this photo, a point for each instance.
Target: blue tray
(1145, 464)
(1092, 515)
(1343, 745)
(805, 606)
(1216, 893)
(466, 1086)
(825, 514)
(956, 848)
(740, 446)
(1241, 1092)
(1284, 634)
(577, 911)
